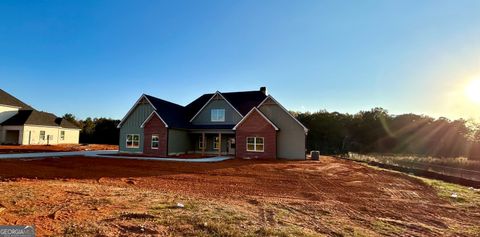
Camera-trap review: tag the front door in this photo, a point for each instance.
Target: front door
(231, 146)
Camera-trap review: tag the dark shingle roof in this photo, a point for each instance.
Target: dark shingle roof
(7, 99)
(34, 117)
(212, 126)
(196, 105)
(171, 113)
(65, 123)
(28, 115)
(244, 101)
(177, 116)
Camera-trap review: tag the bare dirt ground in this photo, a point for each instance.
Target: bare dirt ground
(189, 156)
(79, 196)
(54, 148)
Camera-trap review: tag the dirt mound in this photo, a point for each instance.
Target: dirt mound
(332, 197)
(55, 148)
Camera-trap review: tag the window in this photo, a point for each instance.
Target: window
(133, 141)
(155, 142)
(62, 135)
(200, 143)
(255, 144)
(216, 143)
(218, 115)
(42, 135)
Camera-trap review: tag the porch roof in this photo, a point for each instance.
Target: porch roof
(213, 126)
(212, 131)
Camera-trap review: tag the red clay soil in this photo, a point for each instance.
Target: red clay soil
(55, 148)
(339, 191)
(189, 156)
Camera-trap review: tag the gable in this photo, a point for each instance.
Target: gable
(269, 101)
(203, 117)
(154, 118)
(137, 114)
(255, 118)
(276, 113)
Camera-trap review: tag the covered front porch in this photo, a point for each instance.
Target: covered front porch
(213, 142)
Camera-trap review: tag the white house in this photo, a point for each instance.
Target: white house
(23, 125)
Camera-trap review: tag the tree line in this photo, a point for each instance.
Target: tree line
(373, 131)
(377, 131)
(96, 130)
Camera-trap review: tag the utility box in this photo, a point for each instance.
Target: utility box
(315, 155)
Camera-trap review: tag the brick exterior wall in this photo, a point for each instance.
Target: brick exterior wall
(155, 126)
(256, 126)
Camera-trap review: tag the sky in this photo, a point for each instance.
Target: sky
(96, 58)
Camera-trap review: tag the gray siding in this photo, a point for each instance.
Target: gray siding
(132, 126)
(178, 141)
(204, 117)
(291, 135)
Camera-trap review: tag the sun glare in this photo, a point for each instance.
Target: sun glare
(473, 90)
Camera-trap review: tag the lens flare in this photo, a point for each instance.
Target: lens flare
(473, 90)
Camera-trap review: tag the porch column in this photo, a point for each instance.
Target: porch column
(203, 144)
(219, 144)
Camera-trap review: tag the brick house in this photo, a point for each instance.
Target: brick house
(247, 124)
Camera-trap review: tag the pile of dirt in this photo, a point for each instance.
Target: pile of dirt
(187, 156)
(330, 196)
(54, 148)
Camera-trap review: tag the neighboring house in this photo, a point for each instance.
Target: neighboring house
(23, 125)
(243, 124)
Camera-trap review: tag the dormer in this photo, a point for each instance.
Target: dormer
(217, 110)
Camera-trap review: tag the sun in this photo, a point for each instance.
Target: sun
(473, 90)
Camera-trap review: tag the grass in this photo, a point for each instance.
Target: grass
(459, 162)
(466, 197)
(385, 227)
(81, 230)
(202, 218)
(468, 200)
(458, 167)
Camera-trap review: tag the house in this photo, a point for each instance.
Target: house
(24, 125)
(243, 124)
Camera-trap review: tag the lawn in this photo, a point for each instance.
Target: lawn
(79, 196)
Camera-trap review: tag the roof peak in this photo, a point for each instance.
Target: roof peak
(10, 100)
(147, 95)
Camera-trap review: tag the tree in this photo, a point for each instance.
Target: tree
(377, 131)
(96, 130)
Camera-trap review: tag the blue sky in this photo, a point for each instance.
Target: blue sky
(95, 58)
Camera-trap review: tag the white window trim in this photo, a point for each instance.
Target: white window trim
(158, 142)
(132, 146)
(255, 144)
(42, 138)
(215, 118)
(62, 135)
(214, 142)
